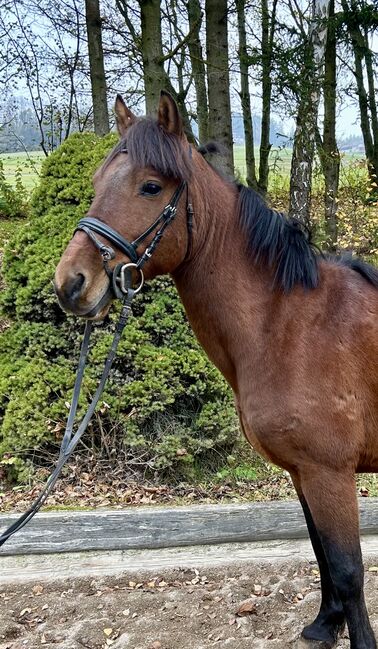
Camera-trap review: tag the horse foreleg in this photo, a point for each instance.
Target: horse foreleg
(332, 502)
(331, 618)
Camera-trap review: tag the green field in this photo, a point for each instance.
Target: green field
(279, 161)
(28, 164)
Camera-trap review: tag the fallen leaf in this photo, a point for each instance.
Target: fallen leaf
(373, 569)
(108, 632)
(25, 611)
(37, 589)
(246, 608)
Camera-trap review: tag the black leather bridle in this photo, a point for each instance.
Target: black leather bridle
(92, 226)
(121, 283)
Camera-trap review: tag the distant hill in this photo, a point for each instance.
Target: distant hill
(277, 136)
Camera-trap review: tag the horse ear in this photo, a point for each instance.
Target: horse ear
(124, 116)
(168, 114)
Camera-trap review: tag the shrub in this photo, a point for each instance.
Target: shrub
(13, 200)
(165, 405)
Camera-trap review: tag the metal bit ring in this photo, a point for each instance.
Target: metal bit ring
(122, 277)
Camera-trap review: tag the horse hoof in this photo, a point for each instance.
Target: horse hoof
(313, 644)
(316, 636)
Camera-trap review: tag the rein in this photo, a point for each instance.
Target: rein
(121, 283)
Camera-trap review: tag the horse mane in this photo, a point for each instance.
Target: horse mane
(368, 271)
(281, 243)
(284, 244)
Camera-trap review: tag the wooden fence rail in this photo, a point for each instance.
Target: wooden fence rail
(158, 527)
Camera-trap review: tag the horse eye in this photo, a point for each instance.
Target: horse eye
(150, 189)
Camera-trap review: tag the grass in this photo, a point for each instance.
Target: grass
(280, 160)
(28, 163)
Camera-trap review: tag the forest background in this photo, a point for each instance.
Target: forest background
(288, 88)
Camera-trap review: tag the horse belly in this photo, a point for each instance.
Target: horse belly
(316, 433)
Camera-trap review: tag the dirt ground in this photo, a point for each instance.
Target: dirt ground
(234, 607)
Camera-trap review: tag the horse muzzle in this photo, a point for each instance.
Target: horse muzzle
(74, 297)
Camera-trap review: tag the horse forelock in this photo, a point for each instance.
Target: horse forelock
(149, 145)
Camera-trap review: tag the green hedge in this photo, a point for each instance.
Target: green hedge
(165, 404)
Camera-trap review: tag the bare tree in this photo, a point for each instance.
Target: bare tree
(218, 81)
(268, 23)
(53, 49)
(198, 68)
(305, 132)
(148, 44)
(328, 150)
(245, 97)
(354, 16)
(96, 66)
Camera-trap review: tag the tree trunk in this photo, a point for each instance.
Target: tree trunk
(267, 36)
(96, 66)
(304, 138)
(218, 82)
(330, 155)
(152, 53)
(360, 50)
(154, 73)
(246, 98)
(373, 107)
(198, 69)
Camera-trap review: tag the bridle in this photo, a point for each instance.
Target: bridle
(121, 284)
(92, 226)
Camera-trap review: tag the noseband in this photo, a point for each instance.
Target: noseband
(91, 225)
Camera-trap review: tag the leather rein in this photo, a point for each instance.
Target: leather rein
(121, 282)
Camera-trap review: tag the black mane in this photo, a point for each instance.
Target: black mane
(281, 243)
(368, 272)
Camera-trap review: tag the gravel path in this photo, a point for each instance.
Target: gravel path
(237, 606)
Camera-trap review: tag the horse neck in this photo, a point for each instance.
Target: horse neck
(223, 295)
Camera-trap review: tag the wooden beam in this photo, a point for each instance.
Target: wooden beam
(157, 527)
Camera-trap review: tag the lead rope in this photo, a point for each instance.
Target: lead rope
(70, 441)
(121, 277)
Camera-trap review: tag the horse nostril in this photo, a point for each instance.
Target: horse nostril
(74, 287)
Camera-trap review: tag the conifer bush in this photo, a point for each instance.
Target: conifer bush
(165, 406)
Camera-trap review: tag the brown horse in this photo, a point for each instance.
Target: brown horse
(295, 334)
